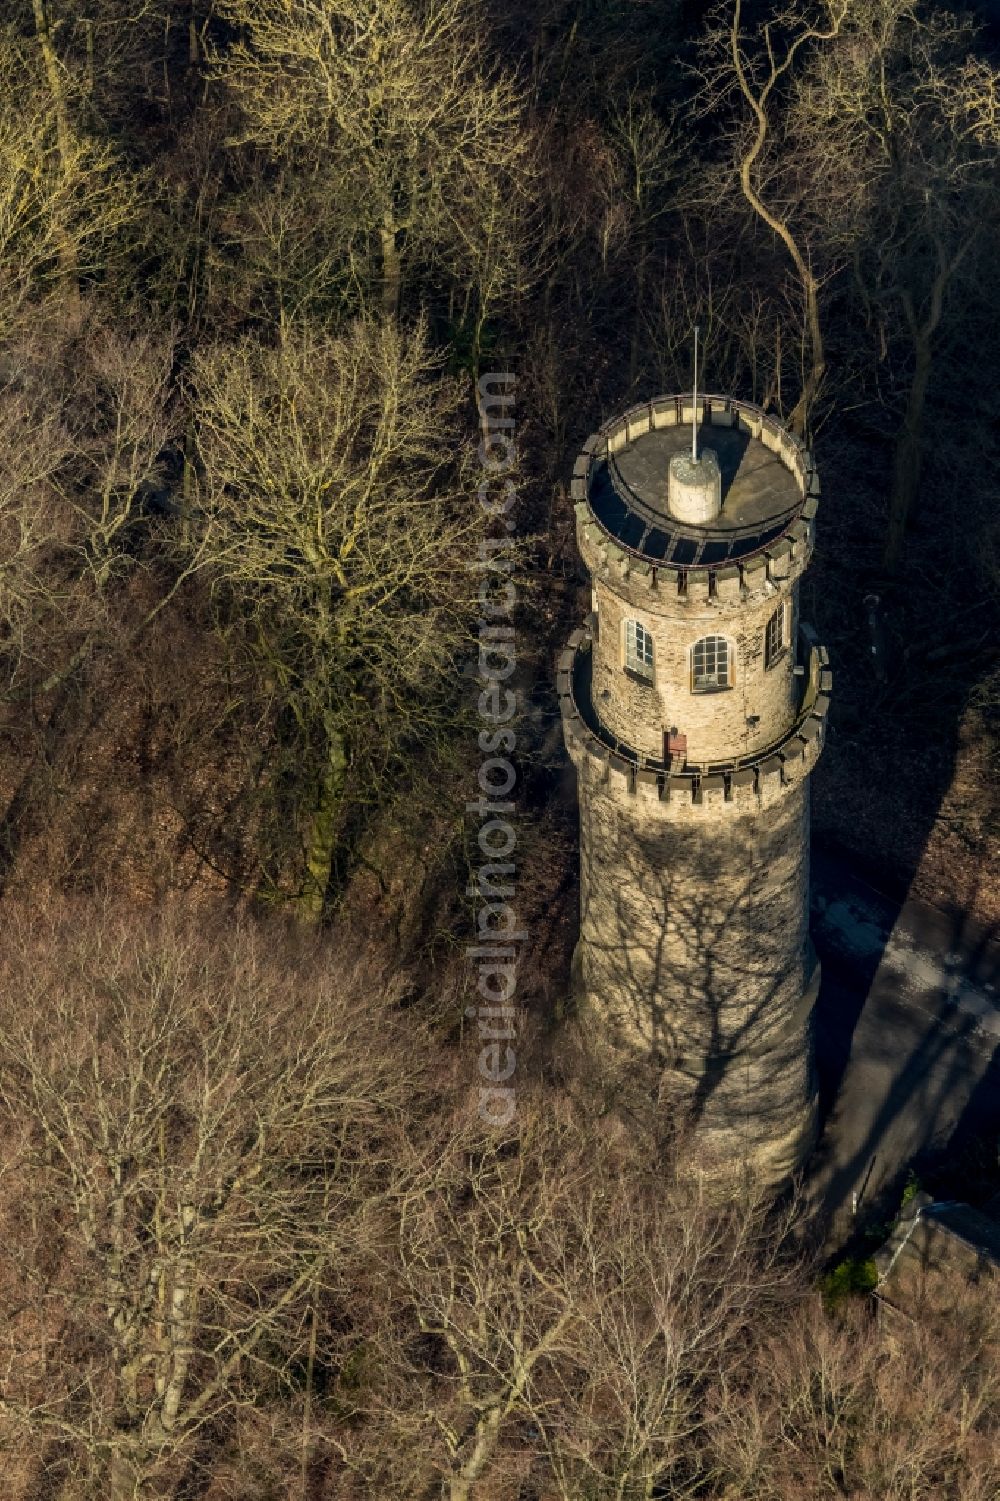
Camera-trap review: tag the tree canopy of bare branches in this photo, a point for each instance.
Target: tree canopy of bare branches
(335, 513)
(200, 1138)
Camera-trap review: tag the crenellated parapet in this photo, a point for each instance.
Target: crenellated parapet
(643, 555)
(746, 785)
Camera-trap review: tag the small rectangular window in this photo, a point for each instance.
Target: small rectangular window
(638, 650)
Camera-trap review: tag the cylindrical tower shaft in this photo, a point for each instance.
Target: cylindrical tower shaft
(694, 708)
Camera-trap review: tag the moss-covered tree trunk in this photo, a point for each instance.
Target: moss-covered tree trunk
(321, 836)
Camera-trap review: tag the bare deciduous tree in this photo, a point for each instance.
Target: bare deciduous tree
(37, 538)
(398, 102)
(65, 197)
(895, 135)
(336, 511)
(120, 406)
(908, 1411)
(484, 1297)
(754, 66)
(566, 1312)
(198, 1142)
(669, 1285)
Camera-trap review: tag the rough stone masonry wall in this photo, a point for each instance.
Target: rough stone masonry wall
(637, 712)
(694, 952)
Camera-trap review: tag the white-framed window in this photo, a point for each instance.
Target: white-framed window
(710, 665)
(774, 637)
(638, 650)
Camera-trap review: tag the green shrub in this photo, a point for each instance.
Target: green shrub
(911, 1188)
(856, 1276)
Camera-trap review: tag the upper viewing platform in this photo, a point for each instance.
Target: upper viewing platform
(753, 480)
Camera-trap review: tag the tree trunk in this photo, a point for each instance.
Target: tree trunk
(122, 1477)
(322, 838)
(487, 1429)
(757, 96)
(909, 445)
(67, 250)
(392, 273)
(799, 419)
(907, 455)
(636, 340)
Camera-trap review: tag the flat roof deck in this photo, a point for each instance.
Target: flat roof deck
(761, 497)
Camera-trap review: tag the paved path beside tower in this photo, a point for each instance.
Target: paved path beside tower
(694, 707)
(909, 1036)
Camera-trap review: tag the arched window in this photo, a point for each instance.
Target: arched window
(638, 650)
(774, 637)
(710, 664)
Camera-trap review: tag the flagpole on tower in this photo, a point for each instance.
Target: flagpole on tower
(694, 402)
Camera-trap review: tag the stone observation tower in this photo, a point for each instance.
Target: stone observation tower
(694, 707)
